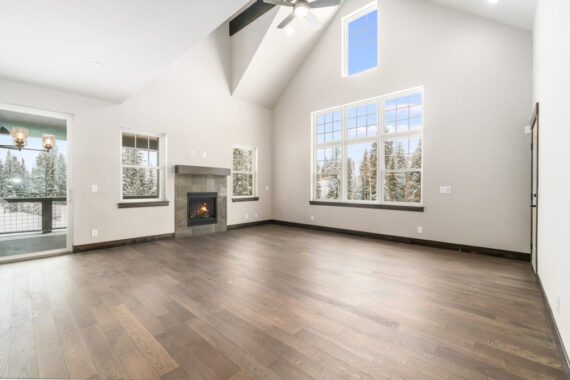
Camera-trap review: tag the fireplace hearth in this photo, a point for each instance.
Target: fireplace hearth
(202, 208)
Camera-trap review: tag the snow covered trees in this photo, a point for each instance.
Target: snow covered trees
(140, 166)
(243, 171)
(370, 150)
(46, 178)
(329, 169)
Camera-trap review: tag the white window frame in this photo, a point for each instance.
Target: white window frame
(344, 32)
(253, 172)
(379, 139)
(161, 165)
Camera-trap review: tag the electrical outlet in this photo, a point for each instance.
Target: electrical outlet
(420, 230)
(246, 216)
(312, 217)
(445, 189)
(94, 233)
(255, 216)
(267, 188)
(192, 153)
(94, 188)
(557, 304)
(204, 154)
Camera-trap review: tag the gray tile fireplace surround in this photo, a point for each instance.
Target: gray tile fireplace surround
(199, 179)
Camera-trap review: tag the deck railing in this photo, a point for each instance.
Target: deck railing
(45, 215)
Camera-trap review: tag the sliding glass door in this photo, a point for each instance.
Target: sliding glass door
(34, 183)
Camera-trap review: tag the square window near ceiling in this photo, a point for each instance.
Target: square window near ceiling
(360, 31)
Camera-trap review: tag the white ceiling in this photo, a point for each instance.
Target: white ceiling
(54, 42)
(263, 66)
(517, 13)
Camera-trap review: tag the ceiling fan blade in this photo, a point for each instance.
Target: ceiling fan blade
(323, 3)
(286, 20)
(279, 2)
(311, 19)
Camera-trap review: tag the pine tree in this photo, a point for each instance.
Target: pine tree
(350, 180)
(373, 171)
(400, 162)
(365, 177)
(413, 188)
(242, 161)
(333, 172)
(137, 181)
(3, 182)
(391, 181)
(61, 175)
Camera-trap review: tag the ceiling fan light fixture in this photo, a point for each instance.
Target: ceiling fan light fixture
(301, 9)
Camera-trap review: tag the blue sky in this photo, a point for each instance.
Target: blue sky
(363, 43)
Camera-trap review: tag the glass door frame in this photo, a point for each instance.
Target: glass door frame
(69, 119)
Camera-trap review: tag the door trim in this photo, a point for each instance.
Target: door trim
(534, 123)
(69, 118)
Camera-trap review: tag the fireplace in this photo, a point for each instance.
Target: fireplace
(202, 208)
(194, 186)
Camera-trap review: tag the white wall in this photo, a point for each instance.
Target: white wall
(477, 78)
(551, 89)
(189, 101)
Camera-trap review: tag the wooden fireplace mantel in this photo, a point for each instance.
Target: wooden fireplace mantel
(201, 170)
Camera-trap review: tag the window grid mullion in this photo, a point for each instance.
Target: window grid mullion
(344, 139)
(380, 139)
(380, 165)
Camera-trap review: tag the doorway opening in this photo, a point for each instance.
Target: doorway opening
(35, 183)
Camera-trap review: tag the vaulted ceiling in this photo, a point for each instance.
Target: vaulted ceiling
(517, 13)
(265, 58)
(106, 49)
(110, 49)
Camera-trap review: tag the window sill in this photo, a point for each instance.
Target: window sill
(368, 205)
(143, 204)
(247, 199)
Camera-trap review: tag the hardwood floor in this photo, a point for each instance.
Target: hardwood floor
(274, 302)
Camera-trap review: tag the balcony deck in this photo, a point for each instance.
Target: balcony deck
(32, 242)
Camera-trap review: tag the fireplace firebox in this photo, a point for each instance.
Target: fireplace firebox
(202, 208)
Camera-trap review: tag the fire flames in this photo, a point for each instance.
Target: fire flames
(203, 211)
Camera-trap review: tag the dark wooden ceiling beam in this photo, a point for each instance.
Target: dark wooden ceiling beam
(248, 16)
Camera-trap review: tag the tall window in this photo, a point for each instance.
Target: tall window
(142, 159)
(403, 149)
(244, 172)
(360, 40)
(355, 161)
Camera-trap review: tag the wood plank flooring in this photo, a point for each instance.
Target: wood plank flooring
(274, 302)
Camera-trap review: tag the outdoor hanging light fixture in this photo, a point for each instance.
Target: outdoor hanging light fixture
(48, 142)
(20, 138)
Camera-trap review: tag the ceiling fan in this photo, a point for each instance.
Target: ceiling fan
(302, 8)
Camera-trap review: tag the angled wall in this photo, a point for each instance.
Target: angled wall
(265, 58)
(478, 96)
(191, 102)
